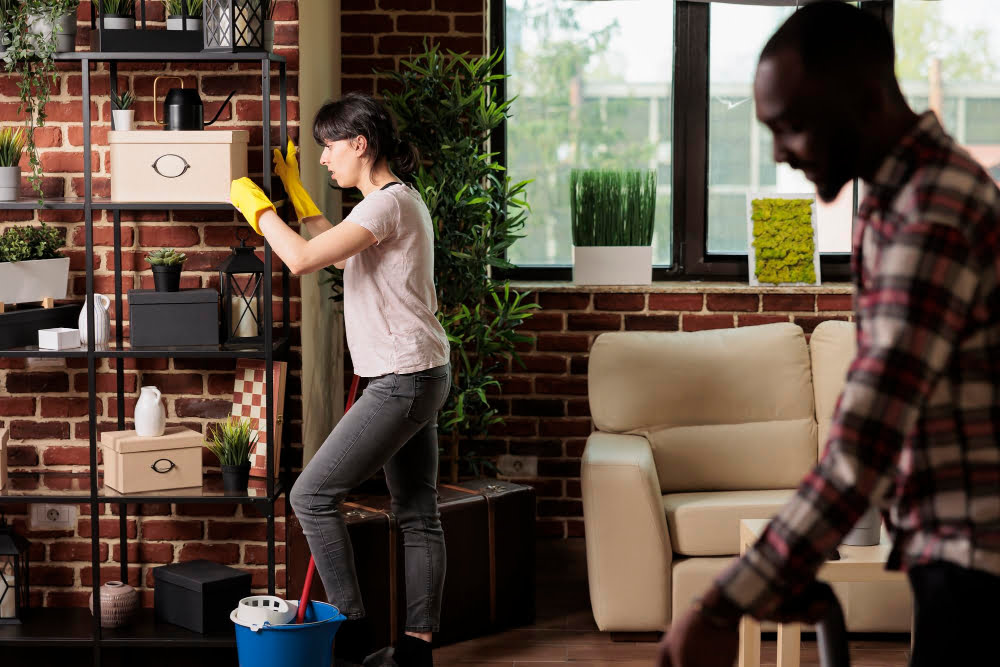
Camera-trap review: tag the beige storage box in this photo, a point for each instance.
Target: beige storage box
(4, 435)
(135, 464)
(176, 167)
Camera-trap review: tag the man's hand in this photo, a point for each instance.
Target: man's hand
(695, 641)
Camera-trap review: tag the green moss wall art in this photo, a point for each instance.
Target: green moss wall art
(782, 232)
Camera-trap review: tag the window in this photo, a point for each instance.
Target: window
(593, 81)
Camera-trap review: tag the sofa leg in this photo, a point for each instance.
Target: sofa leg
(636, 636)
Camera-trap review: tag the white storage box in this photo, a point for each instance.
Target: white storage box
(60, 338)
(133, 463)
(164, 166)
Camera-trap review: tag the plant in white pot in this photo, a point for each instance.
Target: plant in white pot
(31, 266)
(176, 19)
(166, 263)
(122, 113)
(11, 148)
(7, 10)
(612, 219)
(118, 14)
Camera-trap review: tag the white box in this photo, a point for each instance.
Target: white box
(194, 166)
(60, 338)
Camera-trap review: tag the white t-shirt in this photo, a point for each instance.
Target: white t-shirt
(390, 303)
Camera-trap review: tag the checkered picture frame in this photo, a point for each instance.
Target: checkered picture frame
(249, 402)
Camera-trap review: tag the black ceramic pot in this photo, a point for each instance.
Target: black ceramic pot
(167, 278)
(236, 478)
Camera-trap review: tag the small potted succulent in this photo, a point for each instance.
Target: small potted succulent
(11, 146)
(166, 263)
(175, 14)
(118, 14)
(232, 441)
(122, 113)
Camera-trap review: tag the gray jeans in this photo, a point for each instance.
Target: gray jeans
(392, 426)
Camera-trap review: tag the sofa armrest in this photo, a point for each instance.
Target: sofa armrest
(628, 547)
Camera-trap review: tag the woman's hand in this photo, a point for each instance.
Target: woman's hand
(287, 169)
(250, 200)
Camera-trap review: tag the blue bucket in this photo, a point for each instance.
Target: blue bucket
(309, 644)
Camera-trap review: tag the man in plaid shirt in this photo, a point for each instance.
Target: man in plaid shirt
(917, 427)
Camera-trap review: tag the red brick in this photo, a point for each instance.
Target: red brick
(65, 551)
(104, 236)
(98, 136)
(109, 528)
(516, 427)
(351, 84)
(240, 531)
(107, 382)
(826, 302)
(400, 44)
(563, 343)
(366, 24)
(222, 85)
(564, 300)
(651, 322)
(66, 598)
(565, 428)
(175, 383)
(206, 509)
(66, 407)
(542, 321)
(355, 45)
(422, 23)
(111, 573)
(254, 554)
(409, 5)
(703, 322)
(62, 162)
(544, 363)
(568, 385)
(458, 6)
(594, 322)
(48, 137)
(204, 408)
(756, 319)
(146, 552)
(619, 301)
(171, 530)
(54, 456)
(366, 65)
(809, 323)
(173, 236)
(472, 24)
(227, 553)
(578, 408)
(37, 383)
(25, 430)
(51, 575)
(470, 45)
(17, 406)
(790, 302)
(509, 386)
(676, 301)
(549, 508)
(285, 11)
(22, 455)
(748, 303)
(67, 112)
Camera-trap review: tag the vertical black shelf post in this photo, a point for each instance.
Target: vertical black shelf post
(267, 312)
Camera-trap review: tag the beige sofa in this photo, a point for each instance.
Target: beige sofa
(696, 431)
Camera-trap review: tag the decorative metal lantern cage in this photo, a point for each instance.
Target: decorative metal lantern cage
(241, 280)
(13, 575)
(235, 25)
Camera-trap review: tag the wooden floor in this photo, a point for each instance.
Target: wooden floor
(565, 631)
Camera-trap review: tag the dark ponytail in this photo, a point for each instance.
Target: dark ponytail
(357, 114)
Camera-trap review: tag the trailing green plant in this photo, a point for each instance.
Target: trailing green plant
(232, 440)
(176, 7)
(118, 7)
(11, 146)
(447, 106)
(31, 56)
(166, 257)
(783, 240)
(20, 244)
(612, 207)
(122, 101)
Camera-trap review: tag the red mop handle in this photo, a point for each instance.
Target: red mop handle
(304, 600)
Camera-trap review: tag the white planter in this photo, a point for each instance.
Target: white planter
(269, 35)
(613, 265)
(122, 119)
(34, 280)
(177, 23)
(10, 183)
(65, 31)
(119, 22)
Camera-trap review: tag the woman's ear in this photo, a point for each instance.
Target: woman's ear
(360, 145)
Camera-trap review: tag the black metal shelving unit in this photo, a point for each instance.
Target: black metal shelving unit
(75, 627)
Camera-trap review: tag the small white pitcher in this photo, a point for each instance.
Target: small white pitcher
(102, 322)
(150, 414)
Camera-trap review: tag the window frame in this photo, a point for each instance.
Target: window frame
(689, 143)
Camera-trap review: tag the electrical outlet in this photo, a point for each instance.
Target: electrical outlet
(52, 517)
(521, 467)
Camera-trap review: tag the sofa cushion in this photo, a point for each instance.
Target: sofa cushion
(733, 394)
(708, 523)
(832, 347)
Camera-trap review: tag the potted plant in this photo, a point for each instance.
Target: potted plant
(11, 147)
(122, 113)
(31, 266)
(166, 263)
(232, 441)
(118, 14)
(612, 219)
(7, 10)
(38, 29)
(175, 14)
(269, 24)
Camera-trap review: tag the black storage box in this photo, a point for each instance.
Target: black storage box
(19, 328)
(199, 595)
(164, 319)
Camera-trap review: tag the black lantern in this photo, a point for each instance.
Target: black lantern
(13, 575)
(241, 281)
(235, 25)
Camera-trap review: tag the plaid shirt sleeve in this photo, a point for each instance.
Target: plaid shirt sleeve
(914, 308)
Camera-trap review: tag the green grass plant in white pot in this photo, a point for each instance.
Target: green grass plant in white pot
(175, 14)
(31, 266)
(118, 14)
(612, 221)
(11, 147)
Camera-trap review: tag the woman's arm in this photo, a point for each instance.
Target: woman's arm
(316, 225)
(334, 246)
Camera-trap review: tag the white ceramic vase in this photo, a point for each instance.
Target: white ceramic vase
(150, 414)
(102, 321)
(122, 119)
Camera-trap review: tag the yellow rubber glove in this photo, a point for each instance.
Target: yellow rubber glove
(287, 169)
(250, 200)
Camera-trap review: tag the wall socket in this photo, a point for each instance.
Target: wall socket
(523, 467)
(52, 517)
